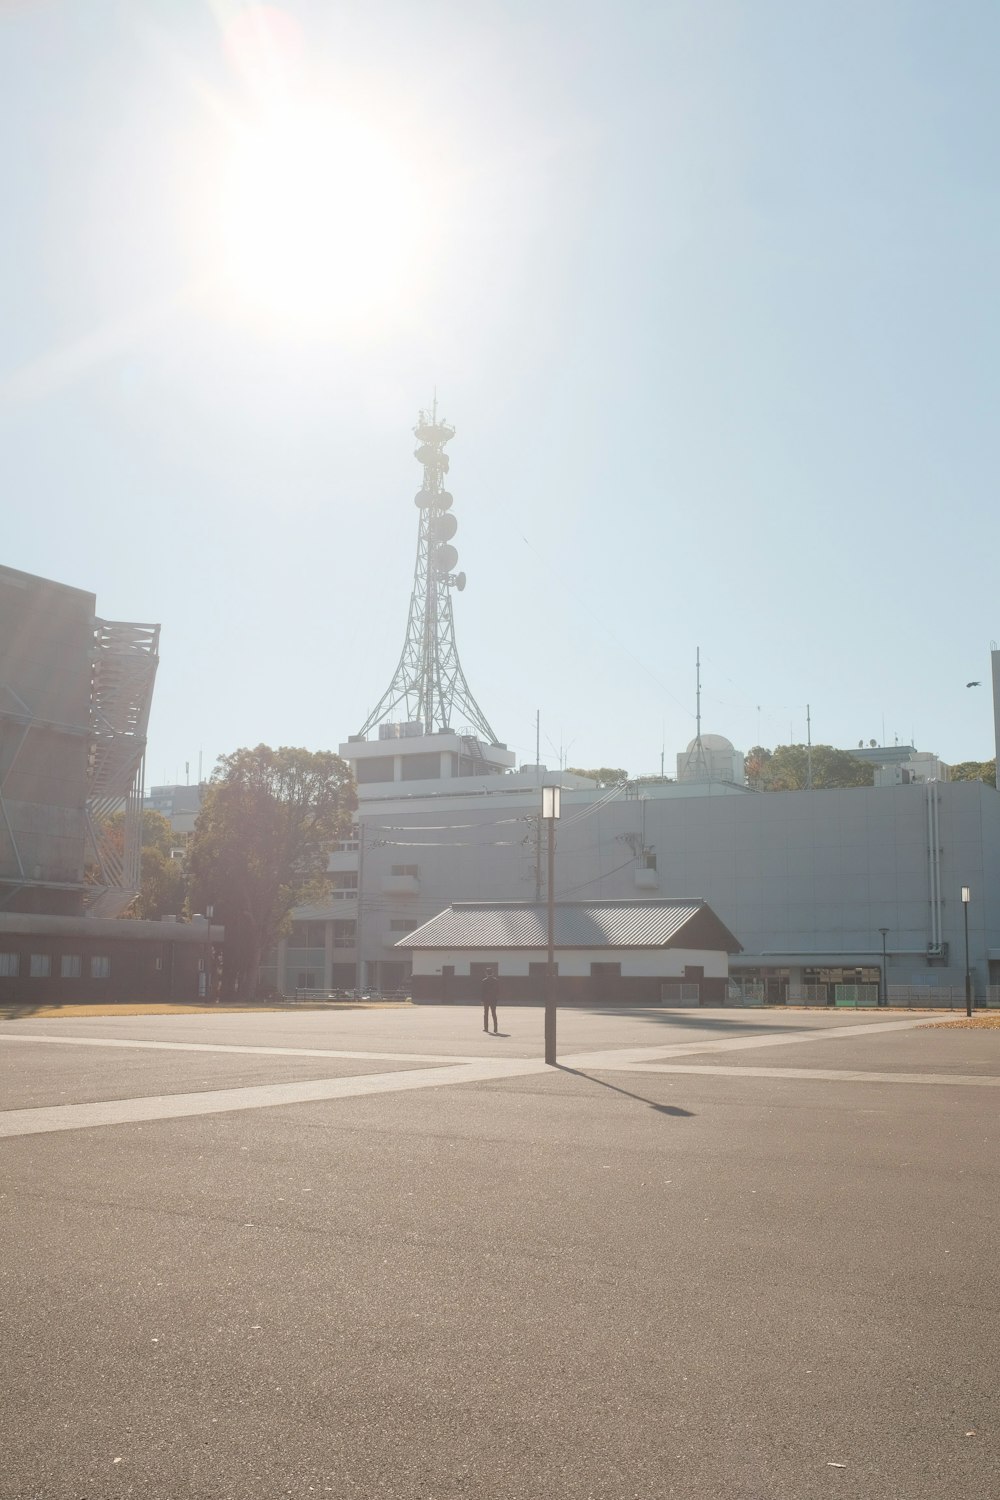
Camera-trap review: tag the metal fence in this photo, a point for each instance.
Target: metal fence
(745, 992)
(674, 992)
(942, 997)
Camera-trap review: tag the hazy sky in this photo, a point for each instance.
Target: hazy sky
(709, 290)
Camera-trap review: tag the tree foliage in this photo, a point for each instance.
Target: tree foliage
(603, 775)
(786, 768)
(975, 770)
(162, 883)
(267, 824)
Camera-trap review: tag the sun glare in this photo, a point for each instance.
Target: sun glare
(321, 223)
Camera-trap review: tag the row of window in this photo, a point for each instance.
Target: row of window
(40, 966)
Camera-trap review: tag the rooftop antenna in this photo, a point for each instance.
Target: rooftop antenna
(696, 766)
(428, 686)
(809, 751)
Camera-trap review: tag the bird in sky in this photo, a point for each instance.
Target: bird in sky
(973, 684)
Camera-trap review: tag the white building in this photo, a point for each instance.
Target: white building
(637, 952)
(806, 880)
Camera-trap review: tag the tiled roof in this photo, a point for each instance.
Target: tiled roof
(578, 924)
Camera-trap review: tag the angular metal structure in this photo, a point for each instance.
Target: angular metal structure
(124, 668)
(429, 687)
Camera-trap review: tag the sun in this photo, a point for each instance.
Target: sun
(321, 221)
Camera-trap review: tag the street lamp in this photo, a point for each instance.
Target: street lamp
(884, 997)
(550, 812)
(209, 913)
(966, 898)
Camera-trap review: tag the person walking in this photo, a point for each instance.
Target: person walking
(490, 987)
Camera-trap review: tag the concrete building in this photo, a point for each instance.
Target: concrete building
(823, 888)
(75, 693)
(807, 880)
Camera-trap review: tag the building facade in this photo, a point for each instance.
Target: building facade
(820, 886)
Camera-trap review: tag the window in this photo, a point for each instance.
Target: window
(413, 870)
(344, 934)
(100, 967)
(70, 966)
(307, 935)
(378, 768)
(9, 965)
(403, 924)
(41, 966)
(422, 767)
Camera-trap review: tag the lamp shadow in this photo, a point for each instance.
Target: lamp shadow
(661, 1109)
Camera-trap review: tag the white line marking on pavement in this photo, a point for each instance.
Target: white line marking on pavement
(440, 1072)
(737, 1043)
(832, 1074)
(128, 1042)
(221, 1101)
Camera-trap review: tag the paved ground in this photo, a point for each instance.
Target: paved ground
(748, 1256)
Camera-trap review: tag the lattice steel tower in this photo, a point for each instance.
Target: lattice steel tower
(429, 686)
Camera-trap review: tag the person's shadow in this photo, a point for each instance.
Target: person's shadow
(499, 1034)
(661, 1109)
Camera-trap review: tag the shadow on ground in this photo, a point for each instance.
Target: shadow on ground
(661, 1109)
(695, 1017)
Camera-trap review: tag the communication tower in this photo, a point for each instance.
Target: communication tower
(429, 687)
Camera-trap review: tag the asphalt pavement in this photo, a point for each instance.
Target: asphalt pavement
(382, 1254)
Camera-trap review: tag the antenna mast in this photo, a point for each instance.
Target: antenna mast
(809, 751)
(428, 686)
(697, 766)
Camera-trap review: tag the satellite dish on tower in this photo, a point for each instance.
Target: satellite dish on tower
(460, 581)
(445, 527)
(445, 557)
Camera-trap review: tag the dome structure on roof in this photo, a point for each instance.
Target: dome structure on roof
(711, 757)
(712, 742)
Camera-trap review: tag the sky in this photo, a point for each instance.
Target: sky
(708, 289)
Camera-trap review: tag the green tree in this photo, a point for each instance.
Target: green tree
(267, 824)
(603, 775)
(786, 768)
(162, 883)
(975, 770)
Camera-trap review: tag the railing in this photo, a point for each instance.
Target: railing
(942, 997)
(745, 992)
(676, 992)
(809, 994)
(855, 994)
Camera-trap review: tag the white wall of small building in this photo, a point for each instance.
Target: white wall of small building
(656, 963)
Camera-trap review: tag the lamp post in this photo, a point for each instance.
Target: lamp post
(209, 913)
(883, 998)
(550, 812)
(966, 898)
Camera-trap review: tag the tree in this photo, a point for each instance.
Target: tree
(786, 768)
(162, 884)
(603, 775)
(975, 770)
(267, 824)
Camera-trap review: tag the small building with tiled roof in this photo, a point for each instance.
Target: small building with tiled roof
(606, 952)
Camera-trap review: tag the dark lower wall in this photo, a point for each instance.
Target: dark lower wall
(583, 990)
(140, 969)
